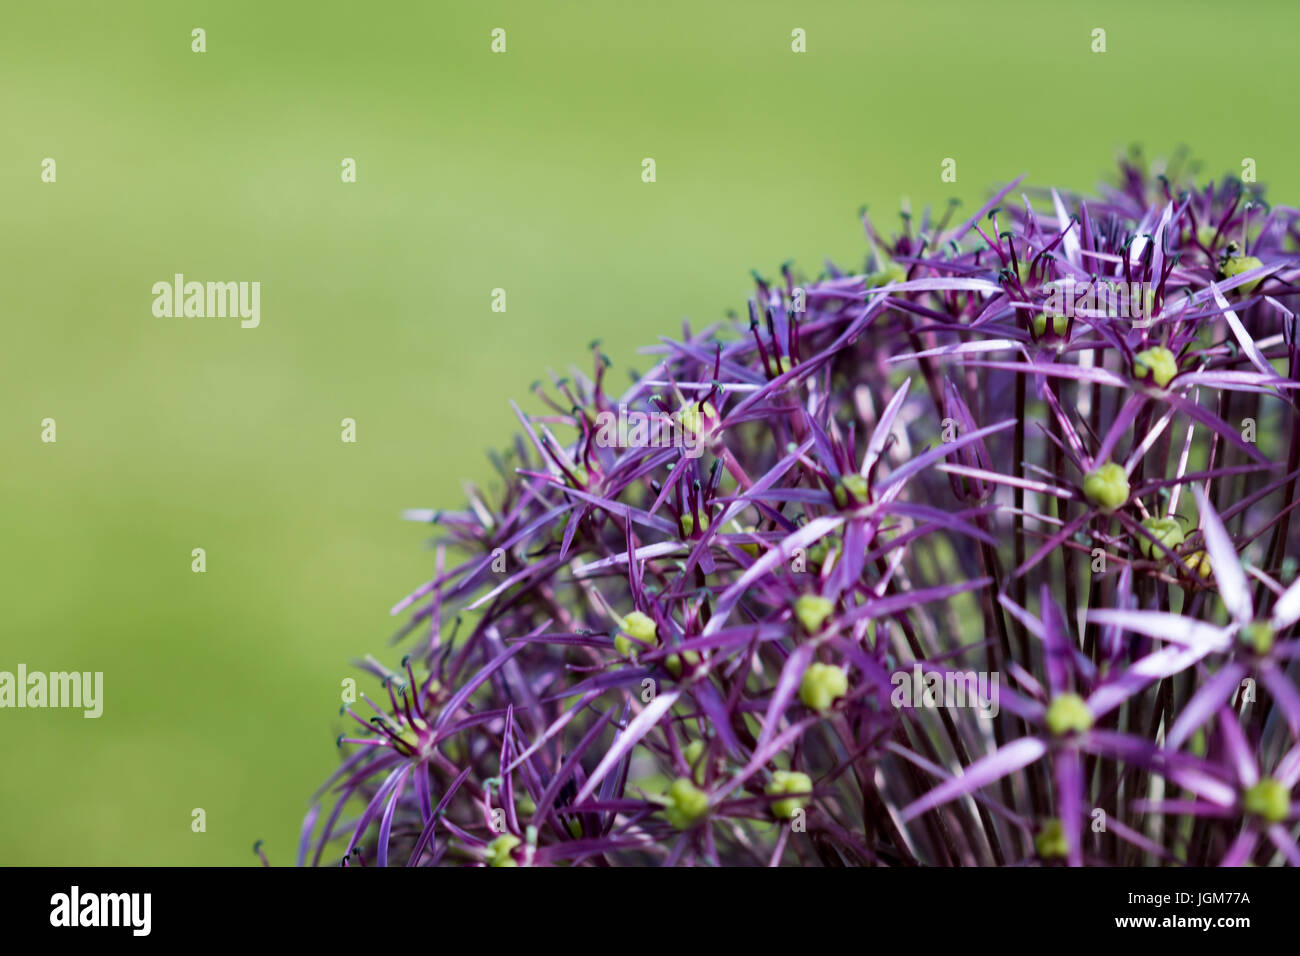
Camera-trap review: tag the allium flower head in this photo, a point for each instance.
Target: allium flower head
(925, 563)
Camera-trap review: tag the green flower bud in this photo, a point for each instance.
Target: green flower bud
(1060, 323)
(639, 626)
(687, 803)
(1023, 268)
(812, 611)
(1050, 841)
(1068, 713)
(688, 523)
(1205, 236)
(788, 781)
(752, 548)
(821, 684)
(851, 487)
(674, 662)
(1107, 487)
(1258, 636)
(1166, 530)
(1199, 563)
(1234, 266)
(692, 416)
(1268, 799)
(498, 852)
(1157, 363)
(694, 750)
(820, 549)
(889, 271)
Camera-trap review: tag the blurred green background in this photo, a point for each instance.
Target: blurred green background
(475, 171)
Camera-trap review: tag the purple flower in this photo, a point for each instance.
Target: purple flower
(1050, 450)
(1233, 792)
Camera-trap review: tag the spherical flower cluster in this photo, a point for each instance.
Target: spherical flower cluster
(1068, 529)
